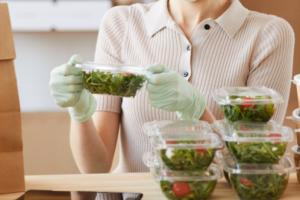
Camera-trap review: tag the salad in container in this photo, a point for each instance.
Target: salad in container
(116, 80)
(255, 143)
(184, 185)
(183, 144)
(255, 104)
(256, 181)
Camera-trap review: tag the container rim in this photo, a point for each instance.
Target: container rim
(222, 100)
(294, 149)
(230, 134)
(116, 68)
(285, 162)
(296, 80)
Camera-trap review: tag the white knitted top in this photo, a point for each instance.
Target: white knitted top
(240, 48)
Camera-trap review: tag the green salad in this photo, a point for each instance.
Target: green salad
(259, 186)
(257, 152)
(118, 84)
(248, 110)
(227, 177)
(187, 159)
(188, 190)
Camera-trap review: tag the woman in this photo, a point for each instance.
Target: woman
(201, 45)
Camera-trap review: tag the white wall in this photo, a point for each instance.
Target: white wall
(37, 55)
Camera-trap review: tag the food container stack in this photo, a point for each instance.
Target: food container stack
(296, 118)
(253, 141)
(256, 181)
(182, 157)
(116, 80)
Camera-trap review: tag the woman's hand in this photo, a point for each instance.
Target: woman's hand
(68, 90)
(170, 92)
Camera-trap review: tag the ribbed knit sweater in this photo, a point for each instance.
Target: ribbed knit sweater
(240, 48)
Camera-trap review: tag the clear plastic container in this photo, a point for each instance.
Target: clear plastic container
(256, 142)
(256, 104)
(296, 152)
(183, 144)
(116, 80)
(184, 185)
(256, 181)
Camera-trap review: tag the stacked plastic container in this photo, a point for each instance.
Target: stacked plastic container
(253, 160)
(182, 157)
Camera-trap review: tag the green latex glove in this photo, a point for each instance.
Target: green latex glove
(68, 90)
(170, 92)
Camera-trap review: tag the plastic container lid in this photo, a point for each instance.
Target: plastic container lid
(160, 173)
(296, 149)
(114, 68)
(229, 164)
(176, 126)
(266, 95)
(253, 131)
(295, 117)
(296, 80)
(182, 134)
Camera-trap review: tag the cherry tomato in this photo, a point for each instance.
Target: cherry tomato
(247, 103)
(275, 135)
(201, 150)
(246, 182)
(127, 74)
(181, 189)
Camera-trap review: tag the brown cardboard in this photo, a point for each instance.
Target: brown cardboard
(11, 148)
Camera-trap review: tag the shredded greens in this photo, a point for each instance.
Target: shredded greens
(188, 159)
(259, 186)
(199, 190)
(117, 84)
(253, 113)
(227, 177)
(257, 152)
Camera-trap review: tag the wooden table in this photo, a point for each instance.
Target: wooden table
(129, 182)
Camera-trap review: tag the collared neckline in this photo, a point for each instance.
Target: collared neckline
(231, 20)
(157, 17)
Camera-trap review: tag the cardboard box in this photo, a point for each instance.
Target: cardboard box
(11, 148)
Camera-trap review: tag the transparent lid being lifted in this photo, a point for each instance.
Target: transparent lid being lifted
(181, 134)
(116, 80)
(237, 96)
(253, 131)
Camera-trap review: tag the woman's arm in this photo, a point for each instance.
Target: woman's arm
(208, 116)
(94, 154)
(272, 61)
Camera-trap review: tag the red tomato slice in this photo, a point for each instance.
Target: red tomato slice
(171, 142)
(127, 74)
(201, 150)
(247, 103)
(275, 135)
(181, 189)
(246, 182)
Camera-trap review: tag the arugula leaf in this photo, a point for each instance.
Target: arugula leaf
(200, 190)
(261, 187)
(253, 113)
(116, 84)
(188, 159)
(256, 152)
